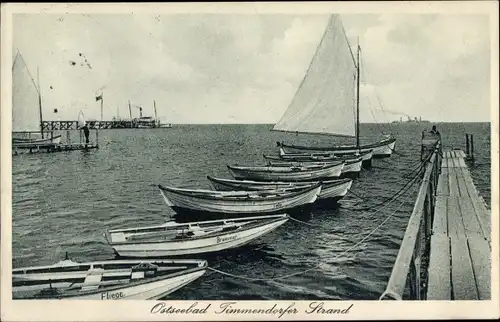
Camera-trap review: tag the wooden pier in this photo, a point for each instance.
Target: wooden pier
(68, 144)
(445, 253)
(73, 125)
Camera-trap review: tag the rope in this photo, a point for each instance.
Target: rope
(317, 266)
(303, 222)
(356, 195)
(402, 190)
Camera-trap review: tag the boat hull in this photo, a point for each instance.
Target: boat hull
(256, 173)
(34, 143)
(150, 291)
(322, 157)
(200, 245)
(121, 280)
(184, 204)
(334, 189)
(382, 149)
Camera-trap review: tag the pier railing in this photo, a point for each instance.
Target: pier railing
(411, 265)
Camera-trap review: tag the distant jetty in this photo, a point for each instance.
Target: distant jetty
(139, 123)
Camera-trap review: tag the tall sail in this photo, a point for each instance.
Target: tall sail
(25, 99)
(325, 100)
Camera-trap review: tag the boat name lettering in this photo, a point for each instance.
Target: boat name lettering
(194, 308)
(226, 239)
(112, 296)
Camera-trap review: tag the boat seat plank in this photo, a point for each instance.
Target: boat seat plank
(92, 281)
(439, 283)
(481, 263)
(440, 224)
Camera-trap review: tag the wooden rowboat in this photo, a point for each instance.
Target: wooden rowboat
(330, 189)
(302, 172)
(318, 156)
(240, 203)
(105, 280)
(176, 239)
(350, 168)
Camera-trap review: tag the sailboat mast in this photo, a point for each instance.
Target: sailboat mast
(39, 100)
(129, 110)
(357, 97)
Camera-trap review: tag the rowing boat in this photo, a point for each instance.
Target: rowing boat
(239, 203)
(105, 280)
(176, 239)
(302, 172)
(330, 189)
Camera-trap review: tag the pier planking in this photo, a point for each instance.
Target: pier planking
(460, 253)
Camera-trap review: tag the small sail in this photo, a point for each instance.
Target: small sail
(325, 100)
(81, 120)
(25, 99)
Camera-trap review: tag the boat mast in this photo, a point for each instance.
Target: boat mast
(129, 110)
(357, 97)
(39, 100)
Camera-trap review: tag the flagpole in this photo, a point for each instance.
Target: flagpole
(39, 100)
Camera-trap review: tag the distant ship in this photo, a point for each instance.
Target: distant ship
(414, 121)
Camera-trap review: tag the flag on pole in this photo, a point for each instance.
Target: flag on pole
(98, 98)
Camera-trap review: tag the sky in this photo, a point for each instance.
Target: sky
(208, 68)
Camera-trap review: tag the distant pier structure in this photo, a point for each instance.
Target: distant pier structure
(115, 124)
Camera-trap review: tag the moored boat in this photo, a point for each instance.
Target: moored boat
(303, 172)
(329, 88)
(330, 189)
(381, 149)
(236, 203)
(350, 168)
(321, 157)
(105, 280)
(176, 239)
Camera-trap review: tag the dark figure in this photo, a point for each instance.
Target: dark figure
(435, 131)
(86, 131)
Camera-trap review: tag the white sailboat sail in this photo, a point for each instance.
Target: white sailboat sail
(25, 99)
(325, 100)
(81, 120)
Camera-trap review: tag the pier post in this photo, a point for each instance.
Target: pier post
(472, 147)
(467, 150)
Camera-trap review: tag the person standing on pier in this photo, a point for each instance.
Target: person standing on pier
(435, 131)
(86, 132)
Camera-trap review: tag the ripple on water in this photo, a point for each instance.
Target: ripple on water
(64, 202)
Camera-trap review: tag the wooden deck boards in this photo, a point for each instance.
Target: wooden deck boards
(460, 254)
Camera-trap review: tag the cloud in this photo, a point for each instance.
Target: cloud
(246, 68)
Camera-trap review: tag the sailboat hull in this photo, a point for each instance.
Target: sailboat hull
(382, 149)
(34, 143)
